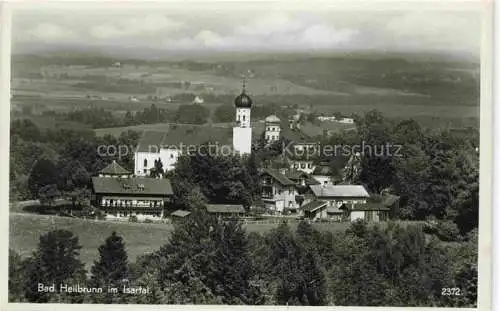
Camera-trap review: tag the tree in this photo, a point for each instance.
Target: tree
(17, 277)
(212, 257)
(48, 194)
(44, 173)
(157, 171)
(112, 267)
(224, 113)
(54, 262)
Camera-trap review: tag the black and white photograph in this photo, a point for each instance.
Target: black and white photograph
(251, 153)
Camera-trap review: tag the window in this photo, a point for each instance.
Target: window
(171, 156)
(309, 165)
(296, 165)
(145, 163)
(267, 137)
(145, 171)
(244, 117)
(303, 165)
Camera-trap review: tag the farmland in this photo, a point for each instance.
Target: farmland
(432, 92)
(141, 238)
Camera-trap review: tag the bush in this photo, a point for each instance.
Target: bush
(446, 231)
(132, 218)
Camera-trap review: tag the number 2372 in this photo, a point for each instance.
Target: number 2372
(447, 291)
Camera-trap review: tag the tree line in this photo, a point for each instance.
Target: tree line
(207, 260)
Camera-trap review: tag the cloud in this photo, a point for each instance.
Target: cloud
(259, 30)
(135, 26)
(48, 32)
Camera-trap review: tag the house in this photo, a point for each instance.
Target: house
(323, 174)
(120, 195)
(226, 210)
(278, 192)
(273, 128)
(346, 120)
(283, 189)
(334, 201)
(369, 211)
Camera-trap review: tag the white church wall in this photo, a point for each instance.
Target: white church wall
(242, 140)
(168, 158)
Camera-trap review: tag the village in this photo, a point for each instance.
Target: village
(292, 186)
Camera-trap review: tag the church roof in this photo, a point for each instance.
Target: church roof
(272, 119)
(114, 169)
(183, 136)
(243, 100)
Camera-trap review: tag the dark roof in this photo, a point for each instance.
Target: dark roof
(225, 208)
(114, 169)
(370, 207)
(132, 185)
(389, 199)
(313, 205)
(296, 175)
(322, 170)
(277, 175)
(243, 100)
(180, 213)
(332, 191)
(295, 135)
(183, 136)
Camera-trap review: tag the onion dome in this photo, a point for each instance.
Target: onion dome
(243, 100)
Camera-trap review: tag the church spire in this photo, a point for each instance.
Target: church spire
(244, 86)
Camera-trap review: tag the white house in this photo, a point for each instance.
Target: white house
(346, 120)
(273, 129)
(335, 201)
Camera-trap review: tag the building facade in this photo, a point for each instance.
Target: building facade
(273, 129)
(120, 195)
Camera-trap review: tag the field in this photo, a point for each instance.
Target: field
(437, 93)
(141, 238)
(25, 231)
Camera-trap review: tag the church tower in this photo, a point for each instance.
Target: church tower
(242, 131)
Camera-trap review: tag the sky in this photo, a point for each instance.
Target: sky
(247, 27)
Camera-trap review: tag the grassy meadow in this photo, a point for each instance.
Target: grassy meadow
(140, 238)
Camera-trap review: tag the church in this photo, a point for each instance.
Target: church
(168, 146)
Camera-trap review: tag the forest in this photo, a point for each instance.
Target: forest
(207, 260)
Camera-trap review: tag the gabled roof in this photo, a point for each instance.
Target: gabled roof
(278, 176)
(295, 135)
(132, 185)
(339, 191)
(389, 199)
(114, 169)
(370, 207)
(225, 208)
(183, 136)
(313, 205)
(295, 175)
(322, 170)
